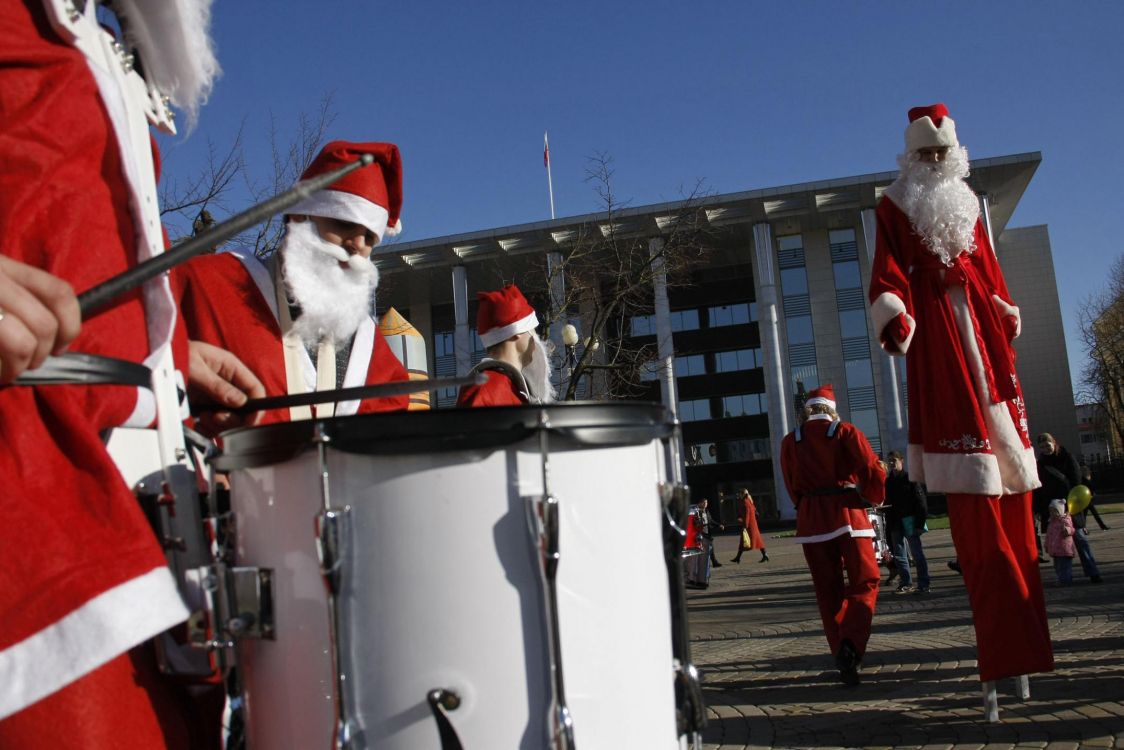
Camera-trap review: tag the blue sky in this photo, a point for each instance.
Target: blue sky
(739, 94)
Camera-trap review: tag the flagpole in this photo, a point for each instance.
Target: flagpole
(546, 161)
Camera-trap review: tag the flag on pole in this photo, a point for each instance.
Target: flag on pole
(546, 163)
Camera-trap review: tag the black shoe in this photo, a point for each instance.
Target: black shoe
(715, 564)
(922, 590)
(1042, 559)
(893, 574)
(955, 565)
(737, 560)
(903, 589)
(764, 558)
(847, 659)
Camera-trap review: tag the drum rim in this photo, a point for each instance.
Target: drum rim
(587, 423)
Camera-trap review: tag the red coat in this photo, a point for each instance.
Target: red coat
(819, 462)
(749, 523)
(229, 300)
(82, 578)
(964, 320)
(499, 390)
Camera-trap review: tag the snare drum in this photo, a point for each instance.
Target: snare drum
(437, 543)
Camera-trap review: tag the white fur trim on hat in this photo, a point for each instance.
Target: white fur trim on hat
(884, 309)
(819, 400)
(496, 335)
(337, 204)
(922, 133)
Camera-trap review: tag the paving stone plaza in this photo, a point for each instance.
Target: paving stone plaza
(769, 681)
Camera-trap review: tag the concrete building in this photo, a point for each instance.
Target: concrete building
(780, 307)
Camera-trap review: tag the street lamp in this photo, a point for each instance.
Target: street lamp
(570, 339)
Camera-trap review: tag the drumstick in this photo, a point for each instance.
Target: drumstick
(382, 390)
(93, 301)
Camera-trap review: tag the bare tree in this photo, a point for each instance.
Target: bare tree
(227, 184)
(607, 272)
(1102, 330)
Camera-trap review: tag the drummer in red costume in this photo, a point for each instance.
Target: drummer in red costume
(314, 330)
(517, 367)
(83, 581)
(938, 297)
(830, 470)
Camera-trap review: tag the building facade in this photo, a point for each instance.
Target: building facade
(778, 308)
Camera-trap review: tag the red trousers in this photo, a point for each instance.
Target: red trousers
(994, 538)
(124, 703)
(846, 610)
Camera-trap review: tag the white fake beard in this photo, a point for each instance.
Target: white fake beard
(940, 205)
(333, 300)
(173, 37)
(537, 373)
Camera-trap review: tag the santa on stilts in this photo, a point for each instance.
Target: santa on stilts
(831, 474)
(938, 297)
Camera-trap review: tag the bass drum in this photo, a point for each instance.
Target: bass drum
(440, 579)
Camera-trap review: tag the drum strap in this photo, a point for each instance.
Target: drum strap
(294, 359)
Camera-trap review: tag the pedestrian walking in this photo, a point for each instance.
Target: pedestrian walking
(751, 536)
(907, 513)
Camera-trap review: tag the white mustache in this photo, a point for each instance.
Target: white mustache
(355, 262)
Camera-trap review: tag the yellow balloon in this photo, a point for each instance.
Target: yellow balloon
(1079, 498)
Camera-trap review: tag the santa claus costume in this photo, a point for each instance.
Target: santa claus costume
(234, 300)
(938, 297)
(500, 316)
(829, 470)
(83, 580)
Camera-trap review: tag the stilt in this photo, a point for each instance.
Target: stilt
(990, 702)
(1022, 687)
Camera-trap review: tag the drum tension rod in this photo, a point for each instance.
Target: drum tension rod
(441, 701)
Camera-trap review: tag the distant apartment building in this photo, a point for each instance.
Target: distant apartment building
(779, 308)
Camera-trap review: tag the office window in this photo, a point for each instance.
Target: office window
(683, 320)
(852, 324)
(732, 315)
(847, 275)
(643, 325)
(800, 330)
(794, 281)
(742, 404)
(859, 374)
(692, 364)
(740, 359)
(807, 376)
(693, 411)
(443, 344)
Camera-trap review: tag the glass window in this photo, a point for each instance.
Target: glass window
(847, 275)
(741, 359)
(693, 364)
(643, 325)
(852, 324)
(790, 242)
(650, 371)
(701, 454)
(867, 421)
(683, 320)
(859, 374)
(807, 375)
(838, 236)
(741, 404)
(692, 411)
(800, 330)
(730, 315)
(442, 344)
(753, 312)
(794, 281)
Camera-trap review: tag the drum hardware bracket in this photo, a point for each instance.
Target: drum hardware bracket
(441, 702)
(239, 606)
(544, 524)
(692, 715)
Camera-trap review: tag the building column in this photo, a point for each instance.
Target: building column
(462, 340)
(665, 346)
(775, 390)
(891, 417)
(985, 214)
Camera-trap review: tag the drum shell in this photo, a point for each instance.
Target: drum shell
(441, 589)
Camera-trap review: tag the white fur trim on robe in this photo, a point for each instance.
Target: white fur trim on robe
(833, 534)
(1009, 311)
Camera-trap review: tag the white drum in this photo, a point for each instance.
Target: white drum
(441, 585)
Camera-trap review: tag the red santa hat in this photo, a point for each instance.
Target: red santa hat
(371, 196)
(930, 127)
(503, 314)
(825, 395)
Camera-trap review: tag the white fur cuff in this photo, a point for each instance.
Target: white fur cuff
(1009, 310)
(883, 311)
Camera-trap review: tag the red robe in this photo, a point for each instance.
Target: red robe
(967, 419)
(749, 523)
(82, 578)
(968, 428)
(229, 300)
(499, 390)
(833, 527)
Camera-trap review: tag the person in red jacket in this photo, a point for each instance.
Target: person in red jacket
(517, 367)
(301, 320)
(831, 473)
(938, 297)
(749, 526)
